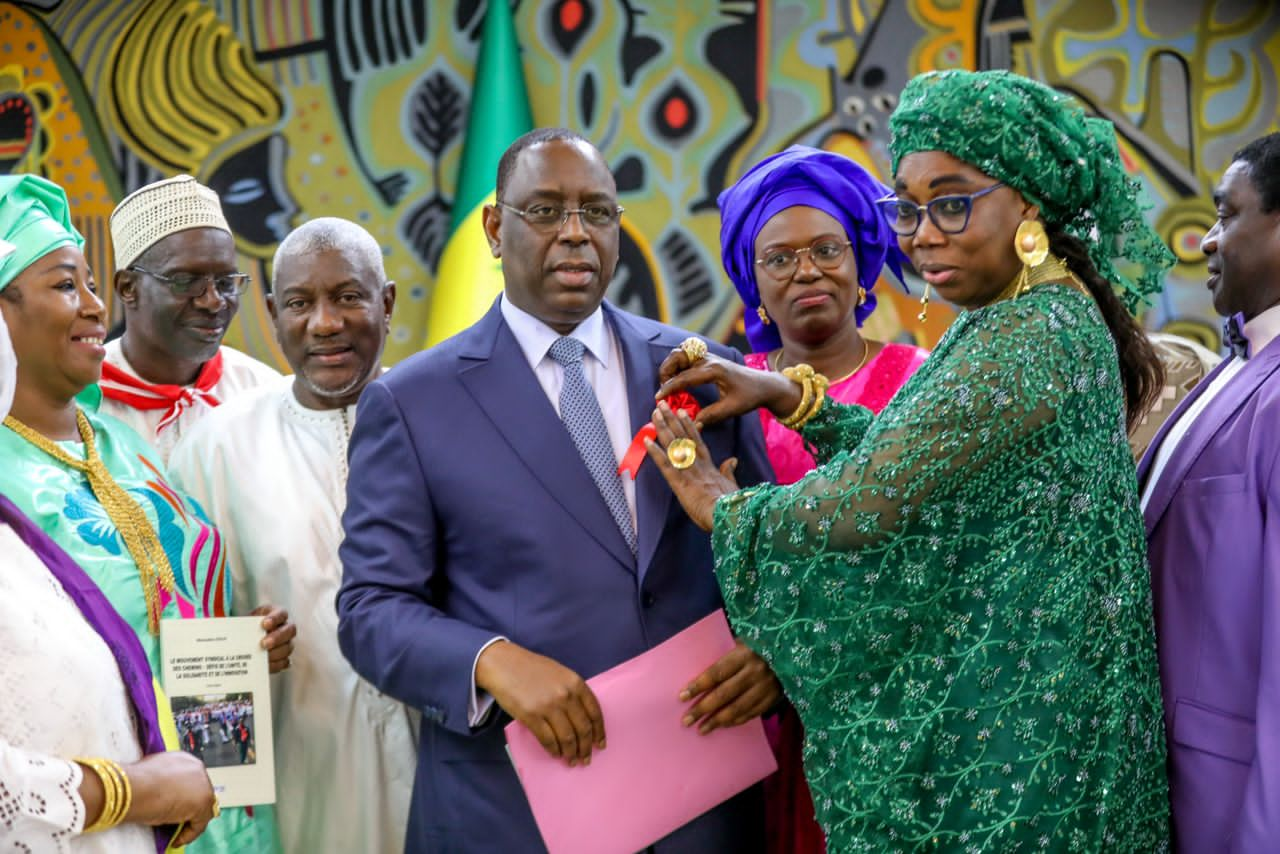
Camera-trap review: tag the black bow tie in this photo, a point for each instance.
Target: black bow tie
(1233, 336)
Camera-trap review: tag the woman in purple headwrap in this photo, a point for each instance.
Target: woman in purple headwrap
(803, 242)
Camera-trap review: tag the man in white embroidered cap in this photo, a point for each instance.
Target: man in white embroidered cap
(177, 278)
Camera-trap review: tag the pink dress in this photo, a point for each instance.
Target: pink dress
(790, 827)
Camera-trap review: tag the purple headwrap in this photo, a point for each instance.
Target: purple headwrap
(808, 177)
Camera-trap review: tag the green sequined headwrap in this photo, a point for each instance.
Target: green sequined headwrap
(1042, 144)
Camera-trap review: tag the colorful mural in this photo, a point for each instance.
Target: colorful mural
(293, 109)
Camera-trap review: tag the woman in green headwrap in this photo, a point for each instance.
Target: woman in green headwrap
(956, 600)
(90, 482)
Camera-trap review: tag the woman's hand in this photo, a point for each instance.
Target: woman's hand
(279, 638)
(737, 688)
(698, 486)
(742, 389)
(168, 788)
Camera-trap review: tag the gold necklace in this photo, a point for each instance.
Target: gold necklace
(866, 352)
(1052, 269)
(125, 513)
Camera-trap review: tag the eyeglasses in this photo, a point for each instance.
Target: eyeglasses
(546, 217)
(781, 263)
(949, 213)
(184, 284)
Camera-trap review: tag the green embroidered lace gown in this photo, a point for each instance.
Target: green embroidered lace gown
(956, 600)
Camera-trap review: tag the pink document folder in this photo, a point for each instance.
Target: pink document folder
(656, 774)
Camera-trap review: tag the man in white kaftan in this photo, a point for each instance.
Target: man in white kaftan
(271, 468)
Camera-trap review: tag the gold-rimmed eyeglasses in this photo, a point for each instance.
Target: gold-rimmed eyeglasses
(782, 262)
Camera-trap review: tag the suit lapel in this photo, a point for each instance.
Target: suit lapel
(1238, 391)
(496, 374)
(1144, 465)
(641, 358)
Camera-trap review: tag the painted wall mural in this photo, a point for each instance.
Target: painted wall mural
(293, 109)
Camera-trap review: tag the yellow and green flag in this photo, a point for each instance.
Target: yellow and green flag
(470, 277)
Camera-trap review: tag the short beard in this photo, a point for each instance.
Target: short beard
(323, 393)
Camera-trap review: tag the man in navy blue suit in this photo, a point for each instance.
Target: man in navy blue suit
(494, 559)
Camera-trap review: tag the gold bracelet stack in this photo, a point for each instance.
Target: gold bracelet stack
(813, 393)
(117, 793)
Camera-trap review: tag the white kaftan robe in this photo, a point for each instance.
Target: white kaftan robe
(272, 475)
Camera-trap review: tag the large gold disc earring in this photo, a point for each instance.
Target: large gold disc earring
(762, 314)
(1032, 245)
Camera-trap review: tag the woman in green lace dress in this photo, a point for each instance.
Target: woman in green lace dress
(956, 600)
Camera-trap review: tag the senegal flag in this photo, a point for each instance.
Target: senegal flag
(470, 277)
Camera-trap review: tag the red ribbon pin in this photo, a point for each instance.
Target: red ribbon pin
(680, 401)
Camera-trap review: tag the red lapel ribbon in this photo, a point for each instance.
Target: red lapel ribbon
(631, 460)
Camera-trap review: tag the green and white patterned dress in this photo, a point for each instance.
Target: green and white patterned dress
(956, 600)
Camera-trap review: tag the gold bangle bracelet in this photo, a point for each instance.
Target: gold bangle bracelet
(108, 795)
(814, 391)
(802, 374)
(126, 803)
(806, 401)
(821, 384)
(819, 397)
(117, 793)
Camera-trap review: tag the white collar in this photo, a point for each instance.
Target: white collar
(1263, 329)
(535, 337)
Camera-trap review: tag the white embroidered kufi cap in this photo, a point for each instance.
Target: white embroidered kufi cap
(152, 213)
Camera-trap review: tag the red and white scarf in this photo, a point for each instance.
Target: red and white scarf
(124, 387)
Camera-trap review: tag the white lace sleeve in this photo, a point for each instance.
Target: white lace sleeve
(40, 805)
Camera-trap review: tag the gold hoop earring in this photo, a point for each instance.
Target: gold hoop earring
(862, 296)
(924, 305)
(1032, 245)
(762, 314)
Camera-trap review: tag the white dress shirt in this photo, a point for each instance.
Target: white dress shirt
(603, 365)
(1260, 331)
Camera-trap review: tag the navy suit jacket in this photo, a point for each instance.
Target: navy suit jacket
(470, 514)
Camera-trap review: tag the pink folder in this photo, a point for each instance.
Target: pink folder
(655, 775)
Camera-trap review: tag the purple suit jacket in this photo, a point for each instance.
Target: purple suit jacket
(1213, 529)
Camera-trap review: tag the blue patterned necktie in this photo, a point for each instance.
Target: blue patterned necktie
(1233, 336)
(580, 412)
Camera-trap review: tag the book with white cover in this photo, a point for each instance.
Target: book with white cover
(216, 676)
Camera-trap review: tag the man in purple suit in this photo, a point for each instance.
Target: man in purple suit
(494, 558)
(1211, 497)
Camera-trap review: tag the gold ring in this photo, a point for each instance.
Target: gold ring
(694, 348)
(682, 453)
